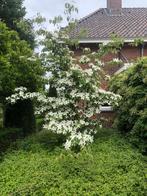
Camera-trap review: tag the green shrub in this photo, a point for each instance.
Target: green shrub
(1, 116)
(39, 123)
(132, 112)
(21, 115)
(4, 132)
(139, 132)
(40, 166)
(7, 136)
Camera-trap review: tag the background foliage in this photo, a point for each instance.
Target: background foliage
(12, 13)
(18, 66)
(132, 112)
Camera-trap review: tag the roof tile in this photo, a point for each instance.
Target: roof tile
(131, 23)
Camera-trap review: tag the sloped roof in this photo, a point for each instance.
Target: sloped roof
(128, 23)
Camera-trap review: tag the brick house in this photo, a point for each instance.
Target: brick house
(128, 23)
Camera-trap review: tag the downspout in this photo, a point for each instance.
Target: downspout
(141, 50)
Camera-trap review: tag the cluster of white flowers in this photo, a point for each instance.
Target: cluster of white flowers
(84, 59)
(94, 67)
(59, 113)
(89, 71)
(98, 62)
(81, 95)
(86, 50)
(117, 61)
(22, 94)
(81, 139)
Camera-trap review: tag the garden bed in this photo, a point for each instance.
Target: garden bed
(39, 165)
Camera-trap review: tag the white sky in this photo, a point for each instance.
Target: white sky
(51, 8)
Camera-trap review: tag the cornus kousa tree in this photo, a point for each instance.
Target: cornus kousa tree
(74, 107)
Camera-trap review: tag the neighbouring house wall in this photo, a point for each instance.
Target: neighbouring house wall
(145, 50)
(130, 53)
(109, 118)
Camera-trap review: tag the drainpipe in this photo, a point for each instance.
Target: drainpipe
(141, 50)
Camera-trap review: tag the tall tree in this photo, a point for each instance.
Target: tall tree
(12, 12)
(18, 67)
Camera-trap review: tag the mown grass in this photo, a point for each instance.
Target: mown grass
(39, 165)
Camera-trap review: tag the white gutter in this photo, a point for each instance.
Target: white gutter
(86, 41)
(94, 41)
(99, 41)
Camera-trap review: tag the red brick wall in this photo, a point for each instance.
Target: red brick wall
(129, 52)
(109, 119)
(145, 50)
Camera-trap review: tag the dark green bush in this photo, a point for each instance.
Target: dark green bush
(39, 123)
(21, 115)
(7, 136)
(132, 112)
(40, 166)
(4, 132)
(1, 116)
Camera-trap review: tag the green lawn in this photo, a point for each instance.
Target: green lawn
(40, 166)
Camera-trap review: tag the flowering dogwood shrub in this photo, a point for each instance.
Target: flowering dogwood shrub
(74, 110)
(79, 96)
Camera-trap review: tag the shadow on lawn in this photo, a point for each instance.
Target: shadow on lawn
(43, 140)
(51, 143)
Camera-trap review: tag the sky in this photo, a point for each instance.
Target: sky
(52, 8)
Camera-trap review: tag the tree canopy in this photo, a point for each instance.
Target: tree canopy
(19, 65)
(12, 13)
